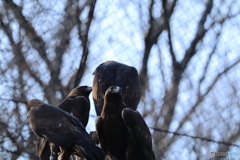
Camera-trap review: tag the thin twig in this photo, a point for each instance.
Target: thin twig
(167, 22)
(85, 44)
(14, 100)
(201, 31)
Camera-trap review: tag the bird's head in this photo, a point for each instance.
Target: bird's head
(81, 91)
(104, 63)
(113, 92)
(34, 103)
(113, 103)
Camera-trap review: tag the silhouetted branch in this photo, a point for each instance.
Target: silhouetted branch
(199, 35)
(208, 60)
(68, 23)
(167, 21)
(171, 95)
(157, 25)
(36, 41)
(17, 51)
(201, 97)
(155, 29)
(83, 35)
(151, 18)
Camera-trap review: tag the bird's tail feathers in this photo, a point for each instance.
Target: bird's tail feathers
(90, 151)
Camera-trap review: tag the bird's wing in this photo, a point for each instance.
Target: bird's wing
(100, 132)
(137, 127)
(83, 109)
(90, 151)
(79, 106)
(59, 127)
(43, 148)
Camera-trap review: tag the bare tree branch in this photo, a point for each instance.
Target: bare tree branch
(171, 95)
(154, 31)
(199, 35)
(19, 57)
(151, 18)
(36, 40)
(17, 52)
(209, 59)
(161, 68)
(167, 21)
(14, 100)
(201, 97)
(63, 34)
(83, 35)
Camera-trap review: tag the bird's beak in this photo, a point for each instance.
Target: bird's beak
(117, 89)
(89, 89)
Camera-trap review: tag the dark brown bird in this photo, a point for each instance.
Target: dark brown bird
(77, 103)
(62, 129)
(140, 147)
(111, 129)
(112, 73)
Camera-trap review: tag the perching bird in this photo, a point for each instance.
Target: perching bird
(62, 129)
(112, 73)
(111, 129)
(140, 147)
(77, 103)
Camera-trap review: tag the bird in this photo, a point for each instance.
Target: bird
(62, 129)
(77, 103)
(140, 145)
(111, 129)
(113, 73)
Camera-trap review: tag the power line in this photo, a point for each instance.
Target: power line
(195, 137)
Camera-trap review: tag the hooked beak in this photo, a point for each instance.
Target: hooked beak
(89, 89)
(116, 89)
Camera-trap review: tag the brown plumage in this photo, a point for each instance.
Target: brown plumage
(112, 131)
(43, 150)
(62, 129)
(77, 103)
(140, 147)
(112, 73)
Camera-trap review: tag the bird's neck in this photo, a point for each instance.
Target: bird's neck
(112, 109)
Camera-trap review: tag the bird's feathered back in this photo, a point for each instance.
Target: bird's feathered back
(140, 146)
